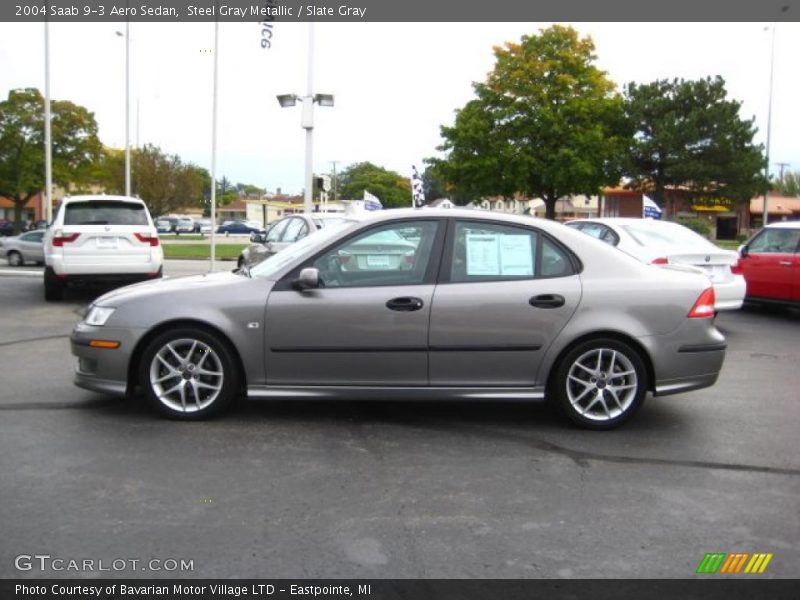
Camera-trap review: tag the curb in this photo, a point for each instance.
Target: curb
(20, 273)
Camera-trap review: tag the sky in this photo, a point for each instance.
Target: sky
(394, 84)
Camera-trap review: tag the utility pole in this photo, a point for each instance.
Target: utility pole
(782, 166)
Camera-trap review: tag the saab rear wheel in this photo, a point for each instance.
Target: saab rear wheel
(14, 259)
(188, 373)
(600, 383)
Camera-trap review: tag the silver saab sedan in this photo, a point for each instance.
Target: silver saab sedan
(482, 306)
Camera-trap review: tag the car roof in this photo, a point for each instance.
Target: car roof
(784, 225)
(461, 213)
(95, 197)
(620, 220)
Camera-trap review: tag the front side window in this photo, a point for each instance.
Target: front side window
(775, 241)
(380, 256)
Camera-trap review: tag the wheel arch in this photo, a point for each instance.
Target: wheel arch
(606, 334)
(136, 355)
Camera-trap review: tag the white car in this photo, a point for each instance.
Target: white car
(659, 242)
(100, 239)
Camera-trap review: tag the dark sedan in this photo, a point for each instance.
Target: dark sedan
(238, 228)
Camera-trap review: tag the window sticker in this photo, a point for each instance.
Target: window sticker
(499, 255)
(516, 258)
(483, 257)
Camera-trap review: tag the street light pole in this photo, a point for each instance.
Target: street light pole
(765, 218)
(307, 121)
(333, 162)
(127, 108)
(214, 146)
(308, 105)
(48, 142)
(127, 36)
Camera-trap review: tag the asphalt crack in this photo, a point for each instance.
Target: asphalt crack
(36, 339)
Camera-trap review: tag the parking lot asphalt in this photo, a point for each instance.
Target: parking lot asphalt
(301, 489)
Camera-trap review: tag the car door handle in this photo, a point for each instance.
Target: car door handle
(785, 263)
(405, 304)
(547, 301)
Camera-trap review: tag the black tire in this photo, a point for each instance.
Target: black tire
(202, 395)
(600, 383)
(240, 262)
(53, 288)
(15, 259)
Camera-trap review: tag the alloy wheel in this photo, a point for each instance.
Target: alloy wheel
(186, 375)
(602, 384)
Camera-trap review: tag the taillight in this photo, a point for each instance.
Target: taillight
(60, 239)
(410, 259)
(737, 268)
(661, 260)
(343, 258)
(704, 306)
(145, 238)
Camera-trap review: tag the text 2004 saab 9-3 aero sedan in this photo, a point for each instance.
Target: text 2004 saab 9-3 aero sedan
(486, 306)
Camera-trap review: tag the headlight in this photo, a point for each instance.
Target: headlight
(98, 315)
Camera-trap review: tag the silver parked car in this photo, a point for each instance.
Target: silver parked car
(26, 247)
(286, 232)
(487, 306)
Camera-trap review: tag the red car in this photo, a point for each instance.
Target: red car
(770, 262)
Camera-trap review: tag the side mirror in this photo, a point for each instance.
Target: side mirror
(257, 238)
(308, 280)
(742, 250)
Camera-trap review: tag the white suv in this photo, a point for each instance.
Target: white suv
(100, 239)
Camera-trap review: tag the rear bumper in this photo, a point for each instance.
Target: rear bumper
(685, 384)
(730, 295)
(88, 279)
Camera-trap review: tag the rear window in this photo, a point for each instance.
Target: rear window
(104, 212)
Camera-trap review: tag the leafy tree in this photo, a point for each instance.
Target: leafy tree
(226, 192)
(688, 133)
(546, 123)
(162, 180)
(245, 189)
(789, 185)
(393, 189)
(75, 146)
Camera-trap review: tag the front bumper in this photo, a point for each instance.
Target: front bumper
(103, 370)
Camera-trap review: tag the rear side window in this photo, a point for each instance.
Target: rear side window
(104, 212)
(494, 252)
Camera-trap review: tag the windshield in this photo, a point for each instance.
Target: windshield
(663, 234)
(269, 267)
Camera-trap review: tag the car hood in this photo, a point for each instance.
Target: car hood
(190, 285)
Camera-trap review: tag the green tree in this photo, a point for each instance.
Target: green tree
(75, 146)
(687, 133)
(162, 180)
(393, 189)
(547, 123)
(226, 192)
(789, 185)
